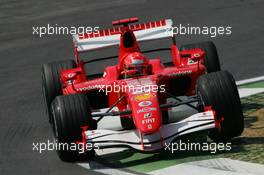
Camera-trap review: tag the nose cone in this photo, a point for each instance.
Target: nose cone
(146, 112)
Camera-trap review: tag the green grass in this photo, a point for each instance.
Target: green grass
(253, 85)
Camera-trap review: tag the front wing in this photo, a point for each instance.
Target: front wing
(104, 138)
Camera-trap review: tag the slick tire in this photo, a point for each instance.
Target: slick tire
(127, 123)
(165, 117)
(219, 91)
(211, 59)
(70, 113)
(51, 84)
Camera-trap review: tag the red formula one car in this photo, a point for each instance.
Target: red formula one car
(137, 89)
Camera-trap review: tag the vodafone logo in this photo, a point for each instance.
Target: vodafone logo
(147, 109)
(145, 103)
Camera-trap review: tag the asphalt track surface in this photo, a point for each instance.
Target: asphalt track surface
(22, 116)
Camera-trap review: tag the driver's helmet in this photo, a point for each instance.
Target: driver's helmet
(135, 64)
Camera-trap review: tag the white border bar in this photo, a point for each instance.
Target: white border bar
(250, 80)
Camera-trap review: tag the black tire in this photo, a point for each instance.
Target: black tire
(70, 113)
(211, 59)
(51, 84)
(127, 123)
(165, 117)
(219, 90)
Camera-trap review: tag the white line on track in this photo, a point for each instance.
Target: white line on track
(250, 80)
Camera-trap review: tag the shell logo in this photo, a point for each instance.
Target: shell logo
(142, 97)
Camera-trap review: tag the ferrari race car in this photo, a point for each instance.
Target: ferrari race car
(137, 90)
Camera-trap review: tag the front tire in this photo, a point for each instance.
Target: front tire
(219, 91)
(70, 113)
(127, 123)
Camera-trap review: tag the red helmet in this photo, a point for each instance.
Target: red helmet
(135, 64)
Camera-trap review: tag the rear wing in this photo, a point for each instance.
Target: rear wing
(111, 37)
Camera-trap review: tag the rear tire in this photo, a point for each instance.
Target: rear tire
(219, 91)
(70, 113)
(51, 84)
(211, 59)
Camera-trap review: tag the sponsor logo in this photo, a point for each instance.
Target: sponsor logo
(70, 81)
(92, 82)
(71, 75)
(147, 115)
(146, 81)
(132, 82)
(196, 55)
(137, 92)
(90, 88)
(191, 61)
(142, 97)
(148, 121)
(145, 103)
(180, 73)
(149, 126)
(146, 110)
